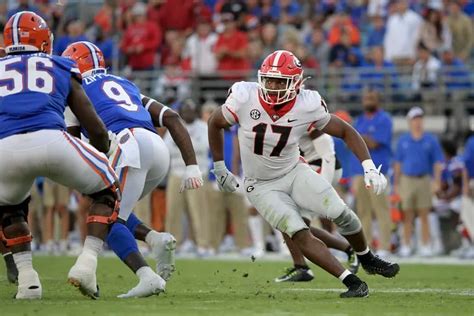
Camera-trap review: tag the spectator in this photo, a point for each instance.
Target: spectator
(104, 17)
(74, 33)
(455, 73)
(23, 5)
(377, 8)
(192, 202)
(174, 77)
(106, 45)
(342, 25)
(256, 55)
(231, 49)
(289, 12)
(319, 47)
(426, 70)
(141, 40)
(339, 53)
(434, 32)
(402, 34)
(447, 203)
(375, 127)
(378, 72)
(307, 60)
(462, 30)
(269, 36)
(376, 32)
(418, 154)
(178, 15)
(199, 48)
(56, 200)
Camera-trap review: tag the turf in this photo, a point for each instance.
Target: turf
(202, 287)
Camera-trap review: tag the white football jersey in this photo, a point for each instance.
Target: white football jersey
(268, 140)
(310, 151)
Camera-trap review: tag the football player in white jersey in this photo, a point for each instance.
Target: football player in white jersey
(318, 150)
(273, 115)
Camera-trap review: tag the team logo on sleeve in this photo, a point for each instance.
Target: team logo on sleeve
(255, 114)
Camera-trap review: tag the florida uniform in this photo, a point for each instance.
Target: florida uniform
(33, 142)
(141, 159)
(280, 185)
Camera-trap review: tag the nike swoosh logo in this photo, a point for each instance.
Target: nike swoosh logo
(290, 120)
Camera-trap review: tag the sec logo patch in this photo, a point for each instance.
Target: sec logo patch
(255, 114)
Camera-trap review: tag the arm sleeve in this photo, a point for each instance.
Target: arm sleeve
(324, 146)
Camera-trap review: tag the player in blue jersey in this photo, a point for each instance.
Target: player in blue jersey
(34, 90)
(141, 160)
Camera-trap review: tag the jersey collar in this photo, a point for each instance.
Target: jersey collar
(275, 115)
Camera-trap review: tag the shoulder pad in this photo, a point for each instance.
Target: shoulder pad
(241, 91)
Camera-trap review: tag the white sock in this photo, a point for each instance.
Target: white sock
(366, 251)
(256, 232)
(144, 272)
(150, 238)
(23, 261)
(344, 275)
(93, 245)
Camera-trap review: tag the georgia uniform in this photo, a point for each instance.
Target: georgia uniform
(278, 183)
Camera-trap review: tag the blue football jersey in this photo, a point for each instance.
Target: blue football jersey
(117, 101)
(33, 92)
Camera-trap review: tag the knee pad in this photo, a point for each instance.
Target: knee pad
(110, 197)
(348, 223)
(11, 215)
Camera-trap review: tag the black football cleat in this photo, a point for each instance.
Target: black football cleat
(376, 265)
(359, 289)
(296, 275)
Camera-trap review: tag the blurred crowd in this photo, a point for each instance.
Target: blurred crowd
(432, 39)
(227, 39)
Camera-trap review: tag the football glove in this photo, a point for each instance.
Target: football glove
(113, 144)
(192, 178)
(373, 178)
(226, 181)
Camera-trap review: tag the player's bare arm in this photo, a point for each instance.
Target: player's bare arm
(216, 125)
(355, 142)
(84, 111)
(163, 116)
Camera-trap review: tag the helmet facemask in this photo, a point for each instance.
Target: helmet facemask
(279, 96)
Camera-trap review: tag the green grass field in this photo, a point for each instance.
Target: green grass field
(202, 287)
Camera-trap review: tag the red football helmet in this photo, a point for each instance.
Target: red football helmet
(280, 64)
(27, 31)
(88, 57)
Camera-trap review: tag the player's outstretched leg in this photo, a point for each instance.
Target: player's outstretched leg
(317, 252)
(101, 215)
(163, 245)
(351, 228)
(300, 272)
(12, 271)
(341, 244)
(122, 242)
(17, 238)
